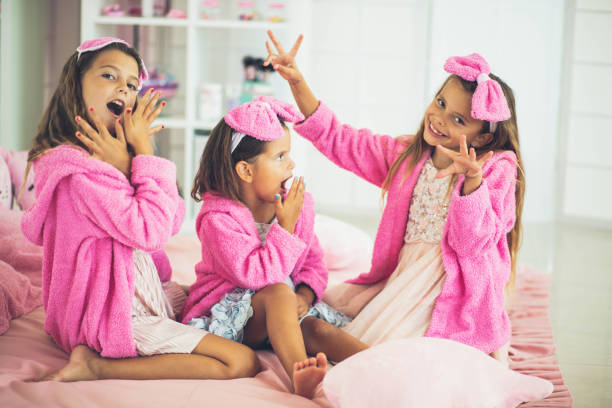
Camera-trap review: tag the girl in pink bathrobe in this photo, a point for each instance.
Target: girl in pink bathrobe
(262, 274)
(104, 205)
(445, 249)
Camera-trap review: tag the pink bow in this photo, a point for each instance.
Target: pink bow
(258, 118)
(488, 101)
(99, 43)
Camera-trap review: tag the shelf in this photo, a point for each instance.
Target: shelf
(148, 21)
(181, 22)
(240, 24)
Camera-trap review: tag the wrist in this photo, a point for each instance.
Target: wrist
(143, 148)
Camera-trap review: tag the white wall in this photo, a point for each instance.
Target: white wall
(381, 71)
(587, 114)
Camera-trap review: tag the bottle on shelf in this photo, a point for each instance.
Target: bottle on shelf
(275, 12)
(244, 10)
(210, 10)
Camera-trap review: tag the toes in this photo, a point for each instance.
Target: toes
(321, 360)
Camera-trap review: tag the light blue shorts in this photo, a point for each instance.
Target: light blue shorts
(229, 317)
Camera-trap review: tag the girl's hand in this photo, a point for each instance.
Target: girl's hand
(138, 123)
(284, 62)
(287, 212)
(102, 145)
(464, 163)
(305, 297)
(302, 305)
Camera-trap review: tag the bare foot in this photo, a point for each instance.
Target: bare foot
(78, 368)
(308, 374)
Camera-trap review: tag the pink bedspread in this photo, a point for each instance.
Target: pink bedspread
(26, 352)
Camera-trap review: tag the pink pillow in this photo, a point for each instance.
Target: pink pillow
(6, 190)
(428, 372)
(345, 247)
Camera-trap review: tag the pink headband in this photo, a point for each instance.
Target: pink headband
(488, 101)
(258, 119)
(99, 43)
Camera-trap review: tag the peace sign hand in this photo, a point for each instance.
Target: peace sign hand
(463, 162)
(284, 62)
(102, 145)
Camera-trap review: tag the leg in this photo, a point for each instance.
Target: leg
(275, 317)
(213, 358)
(321, 336)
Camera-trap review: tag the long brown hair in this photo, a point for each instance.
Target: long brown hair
(58, 125)
(506, 137)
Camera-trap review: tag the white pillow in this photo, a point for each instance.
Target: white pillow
(345, 247)
(428, 372)
(6, 188)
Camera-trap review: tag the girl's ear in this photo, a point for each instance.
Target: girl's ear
(482, 139)
(244, 171)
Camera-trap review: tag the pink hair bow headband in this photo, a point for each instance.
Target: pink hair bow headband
(488, 101)
(99, 43)
(258, 119)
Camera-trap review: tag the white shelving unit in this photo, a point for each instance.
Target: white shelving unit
(194, 51)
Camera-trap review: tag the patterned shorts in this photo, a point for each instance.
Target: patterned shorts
(229, 317)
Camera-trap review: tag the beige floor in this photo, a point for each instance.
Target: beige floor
(580, 260)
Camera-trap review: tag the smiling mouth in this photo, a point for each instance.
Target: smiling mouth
(116, 107)
(435, 132)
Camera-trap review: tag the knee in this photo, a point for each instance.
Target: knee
(278, 292)
(246, 364)
(314, 329)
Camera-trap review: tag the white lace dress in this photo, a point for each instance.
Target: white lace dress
(401, 306)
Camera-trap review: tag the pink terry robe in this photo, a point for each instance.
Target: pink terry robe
(470, 308)
(233, 256)
(89, 217)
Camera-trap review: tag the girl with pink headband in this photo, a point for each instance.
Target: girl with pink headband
(262, 273)
(446, 247)
(105, 207)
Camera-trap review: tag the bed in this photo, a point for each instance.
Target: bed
(27, 352)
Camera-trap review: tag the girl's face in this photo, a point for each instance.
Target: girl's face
(448, 117)
(272, 168)
(110, 86)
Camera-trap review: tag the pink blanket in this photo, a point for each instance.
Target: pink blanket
(26, 351)
(20, 262)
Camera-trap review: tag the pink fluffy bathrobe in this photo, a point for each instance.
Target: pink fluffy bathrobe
(233, 256)
(89, 217)
(470, 308)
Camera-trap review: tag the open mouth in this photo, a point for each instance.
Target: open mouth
(435, 132)
(116, 107)
(284, 185)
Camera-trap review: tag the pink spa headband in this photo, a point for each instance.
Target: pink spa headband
(99, 43)
(488, 101)
(259, 119)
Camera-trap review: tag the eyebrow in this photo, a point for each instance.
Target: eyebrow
(118, 70)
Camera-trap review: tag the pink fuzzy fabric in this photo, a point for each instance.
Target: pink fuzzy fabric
(259, 118)
(232, 254)
(470, 308)
(20, 263)
(88, 217)
(17, 162)
(488, 101)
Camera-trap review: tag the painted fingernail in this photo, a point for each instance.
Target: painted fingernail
(91, 109)
(163, 126)
(277, 196)
(163, 103)
(128, 110)
(77, 118)
(79, 134)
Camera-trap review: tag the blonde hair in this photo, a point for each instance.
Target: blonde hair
(505, 137)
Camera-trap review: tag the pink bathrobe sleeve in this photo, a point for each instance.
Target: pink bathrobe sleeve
(142, 215)
(347, 146)
(242, 260)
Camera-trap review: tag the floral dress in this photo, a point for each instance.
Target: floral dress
(401, 306)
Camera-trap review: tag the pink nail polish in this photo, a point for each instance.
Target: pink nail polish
(77, 118)
(163, 126)
(163, 103)
(128, 110)
(91, 109)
